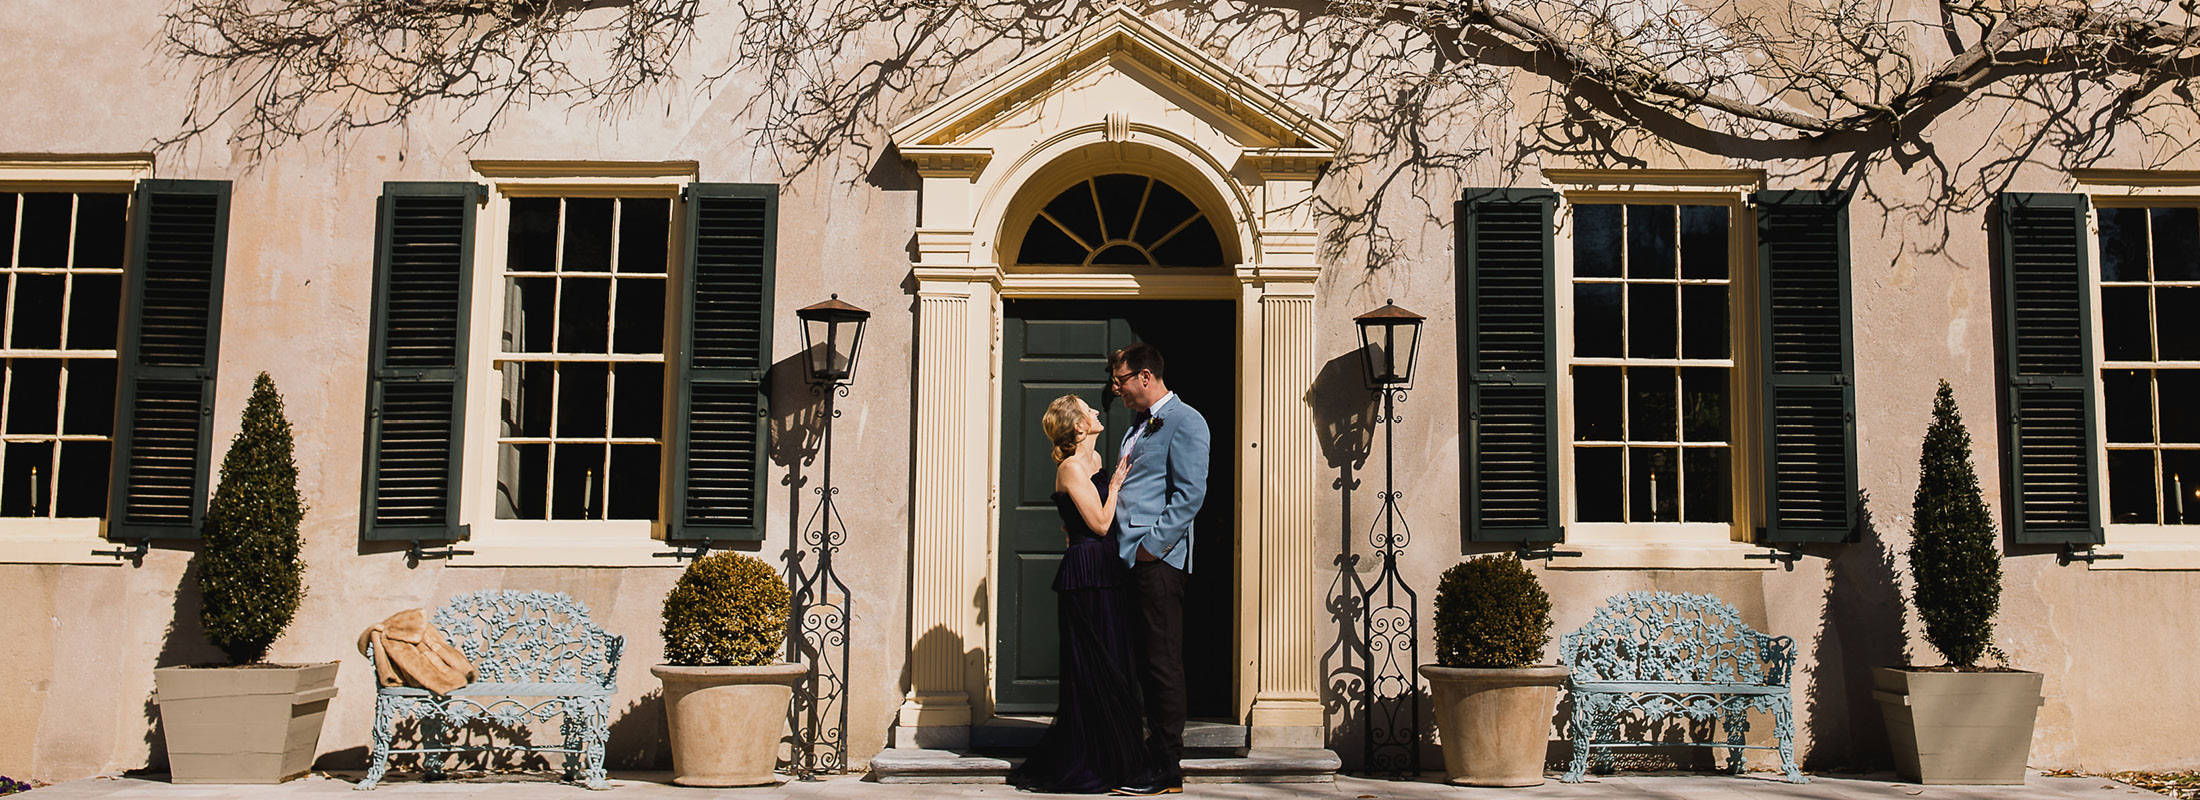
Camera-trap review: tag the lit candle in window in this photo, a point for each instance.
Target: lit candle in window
(589, 505)
(2177, 490)
(1654, 498)
(37, 497)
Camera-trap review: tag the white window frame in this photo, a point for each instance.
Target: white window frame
(543, 543)
(68, 540)
(2142, 546)
(1667, 545)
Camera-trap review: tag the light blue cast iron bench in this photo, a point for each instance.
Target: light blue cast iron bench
(539, 656)
(1659, 656)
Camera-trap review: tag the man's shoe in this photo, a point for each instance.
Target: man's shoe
(1150, 789)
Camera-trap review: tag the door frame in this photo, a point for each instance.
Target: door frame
(1239, 607)
(955, 514)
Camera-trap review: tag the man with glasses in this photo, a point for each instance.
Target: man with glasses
(1166, 451)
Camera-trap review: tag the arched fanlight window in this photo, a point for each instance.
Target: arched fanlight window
(1121, 220)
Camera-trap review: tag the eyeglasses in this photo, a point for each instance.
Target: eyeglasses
(1119, 380)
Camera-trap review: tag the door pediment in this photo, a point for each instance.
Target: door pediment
(1116, 94)
(1178, 76)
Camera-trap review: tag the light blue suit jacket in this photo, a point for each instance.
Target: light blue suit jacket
(1166, 487)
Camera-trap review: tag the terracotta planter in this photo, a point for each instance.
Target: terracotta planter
(1495, 723)
(1959, 727)
(255, 724)
(726, 722)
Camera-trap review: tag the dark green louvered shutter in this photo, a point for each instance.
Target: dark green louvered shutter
(165, 407)
(1809, 395)
(2047, 357)
(416, 379)
(721, 436)
(1509, 361)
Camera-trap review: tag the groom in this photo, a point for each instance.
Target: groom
(1167, 443)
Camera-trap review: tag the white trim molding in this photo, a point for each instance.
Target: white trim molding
(1116, 95)
(64, 540)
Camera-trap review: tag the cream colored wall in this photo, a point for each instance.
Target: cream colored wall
(75, 680)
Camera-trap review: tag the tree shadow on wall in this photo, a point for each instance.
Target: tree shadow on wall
(1344, 422)
(1862, 627)
(183, 645)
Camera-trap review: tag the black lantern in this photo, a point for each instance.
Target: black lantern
(1388, 337)
(832, 332)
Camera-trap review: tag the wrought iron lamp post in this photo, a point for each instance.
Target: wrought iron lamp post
(1390, 621)
(832, 338)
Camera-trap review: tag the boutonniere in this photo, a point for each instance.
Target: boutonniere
(1153, 424)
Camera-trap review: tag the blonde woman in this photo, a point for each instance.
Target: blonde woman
(1095, 743)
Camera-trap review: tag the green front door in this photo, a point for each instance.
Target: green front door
(1055, 347)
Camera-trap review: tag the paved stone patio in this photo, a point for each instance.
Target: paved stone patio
(636, 785)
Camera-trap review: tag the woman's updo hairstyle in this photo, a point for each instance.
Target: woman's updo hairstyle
(1060, 424)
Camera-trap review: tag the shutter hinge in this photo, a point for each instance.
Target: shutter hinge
(684, 552)
(1530, 552)
(2071, 552)
(1786, 558)
(416, 553)
(133, 553)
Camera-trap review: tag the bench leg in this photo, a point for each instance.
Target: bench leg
(1584, 726)
(594, 731)
(1783, 728)
(385, 726)
(1735, 719)
(435, 737)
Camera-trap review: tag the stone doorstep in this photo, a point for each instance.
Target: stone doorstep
(1021, 732)
(1267, 765)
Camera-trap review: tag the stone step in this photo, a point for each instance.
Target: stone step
(1022, 732)
(1264, 765)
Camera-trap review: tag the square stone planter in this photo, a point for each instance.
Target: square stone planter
(1959, 727)
(256, 724)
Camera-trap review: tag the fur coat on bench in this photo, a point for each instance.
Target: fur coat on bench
(410, 652)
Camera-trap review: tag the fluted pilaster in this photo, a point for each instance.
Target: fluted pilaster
(941, 627)
(1286, 704)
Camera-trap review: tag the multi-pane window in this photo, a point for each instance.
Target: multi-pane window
(582, 361)
(2150, 372)
(62, 261)
(1652, 363)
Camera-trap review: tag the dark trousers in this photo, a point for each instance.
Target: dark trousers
(1161, 646)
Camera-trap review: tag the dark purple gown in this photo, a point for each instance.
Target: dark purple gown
(1097, 740)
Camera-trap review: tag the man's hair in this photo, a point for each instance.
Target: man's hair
(1140, 356)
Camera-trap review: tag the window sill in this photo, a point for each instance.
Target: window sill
(2150, 547)
(54, 541)
(565, 544)
(1663, 546)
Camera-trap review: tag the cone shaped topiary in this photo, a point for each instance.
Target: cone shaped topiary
(727, 610)
(250, 576)
(1952, 553)
(1491, 613)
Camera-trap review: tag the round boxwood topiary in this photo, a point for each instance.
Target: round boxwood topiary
(1491, 613)
(727, 610)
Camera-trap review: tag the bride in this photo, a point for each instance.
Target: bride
(1096, 741)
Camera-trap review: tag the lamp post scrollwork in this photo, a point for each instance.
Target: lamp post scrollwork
(832, 338)
(1390, 621)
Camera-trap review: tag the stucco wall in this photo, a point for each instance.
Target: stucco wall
(76, 680)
